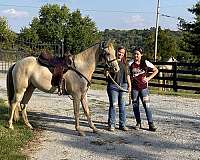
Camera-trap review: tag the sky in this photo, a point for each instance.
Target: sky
(107, 14)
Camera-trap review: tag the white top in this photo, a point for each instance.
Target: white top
(148, 64)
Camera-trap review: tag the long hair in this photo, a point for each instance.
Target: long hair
(124, 59)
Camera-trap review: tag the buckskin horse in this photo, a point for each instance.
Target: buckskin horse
(27, 74)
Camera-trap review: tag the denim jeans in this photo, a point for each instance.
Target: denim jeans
(144, 96)
(116, 98)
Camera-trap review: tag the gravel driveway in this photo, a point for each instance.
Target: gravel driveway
(177, 137)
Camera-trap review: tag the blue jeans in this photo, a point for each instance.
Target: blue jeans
(116, 98)
(144, 96)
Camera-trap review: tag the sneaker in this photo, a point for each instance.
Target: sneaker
(112, 129)
(152, 127)
(123, 128)
(138, 126)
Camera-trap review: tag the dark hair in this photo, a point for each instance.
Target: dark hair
(124, 59)
(138, 49)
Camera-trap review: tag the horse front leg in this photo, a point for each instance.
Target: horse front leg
(25, 117)
(24, 102)
(84, 102)
(76, 105)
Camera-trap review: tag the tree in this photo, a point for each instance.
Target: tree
(30, 34)
(167, 45)
(56, 23)
(52, 20)
(191, 31)
(80, 32)
(6, 35)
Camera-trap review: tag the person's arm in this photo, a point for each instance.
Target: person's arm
(129, 83)
(155, 71)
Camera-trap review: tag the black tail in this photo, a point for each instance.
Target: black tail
(10, 85)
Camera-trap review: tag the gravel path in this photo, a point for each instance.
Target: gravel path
(177, 137)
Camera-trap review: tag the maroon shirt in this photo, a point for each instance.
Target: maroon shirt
(138, 72)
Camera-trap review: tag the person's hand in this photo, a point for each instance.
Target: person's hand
(146, 79)
(106, 73)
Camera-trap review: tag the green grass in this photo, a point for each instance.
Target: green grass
(11, 141)
(97, 86)
(182, 93)
(155, 90)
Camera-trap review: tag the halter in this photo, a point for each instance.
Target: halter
(103, 53)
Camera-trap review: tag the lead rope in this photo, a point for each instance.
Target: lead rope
(118, 86)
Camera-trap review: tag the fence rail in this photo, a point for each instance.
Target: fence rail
(181, 72)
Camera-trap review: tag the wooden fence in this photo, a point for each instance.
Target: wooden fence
(184, 76)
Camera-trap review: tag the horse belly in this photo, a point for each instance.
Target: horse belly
(42, 79)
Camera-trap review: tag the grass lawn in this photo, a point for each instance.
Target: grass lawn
(155, 90)
(11, 141)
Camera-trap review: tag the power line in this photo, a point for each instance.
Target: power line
(94, 10)
(113, 11)
(86, 10)
(168, 16)
(13, 5)
(176, 6)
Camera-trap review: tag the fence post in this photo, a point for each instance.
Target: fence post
(175, 76)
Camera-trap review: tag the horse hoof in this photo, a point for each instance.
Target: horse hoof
(30, 127)
(81, 133)
(95, 130)
(11, 127)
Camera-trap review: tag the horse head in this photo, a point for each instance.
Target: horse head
(107, 54)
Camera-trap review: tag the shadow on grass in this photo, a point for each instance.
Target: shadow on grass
(12, 140)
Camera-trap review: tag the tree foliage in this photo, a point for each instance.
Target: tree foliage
(167, 41)
(56, 23)
(6, 35)
(80, 32)
(191, 31)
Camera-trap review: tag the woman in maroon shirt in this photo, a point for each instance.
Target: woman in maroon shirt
(141, 72)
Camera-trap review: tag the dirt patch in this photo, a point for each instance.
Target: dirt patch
(177, 137)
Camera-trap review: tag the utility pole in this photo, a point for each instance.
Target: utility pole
(157, 25)
(62, 47)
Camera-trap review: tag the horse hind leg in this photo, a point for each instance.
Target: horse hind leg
(14, 112)
(76, 105)
(84, 102)
(24, 102)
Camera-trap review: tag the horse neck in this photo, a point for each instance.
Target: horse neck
(85, 62)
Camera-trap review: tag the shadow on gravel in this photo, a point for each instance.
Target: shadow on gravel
(129, 145)
(179, 121)
(44, 119)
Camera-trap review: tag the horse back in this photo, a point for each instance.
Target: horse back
(28, 70)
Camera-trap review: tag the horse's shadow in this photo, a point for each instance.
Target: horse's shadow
(48, 122)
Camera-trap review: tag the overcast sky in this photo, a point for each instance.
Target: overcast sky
(107, 14)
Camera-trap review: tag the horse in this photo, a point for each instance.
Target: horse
(27, 74)
(166, 74)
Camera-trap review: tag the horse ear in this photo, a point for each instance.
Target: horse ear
(108, 43)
